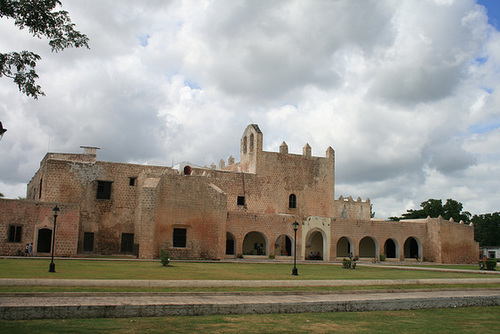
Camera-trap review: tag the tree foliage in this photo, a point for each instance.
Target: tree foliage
(487, 229)
(434, 208)
(39, 17)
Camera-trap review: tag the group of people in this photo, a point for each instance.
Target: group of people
(315, 256)
(28, 250)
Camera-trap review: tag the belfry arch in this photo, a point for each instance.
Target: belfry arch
(368, 247)
(344, 247)
(315, 245)
(283, 246)
(412, 248)
(391, 249)
(230, 244)
(255, 243)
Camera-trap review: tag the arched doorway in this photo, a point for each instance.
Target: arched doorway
(367, 247)
(283, 246)
(315, 246)
(344, 247)
(254, 244)
(412, 248)
(230, 244)
(390, 249)
(44, 240)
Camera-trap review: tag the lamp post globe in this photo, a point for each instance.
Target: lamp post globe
(295, 271)
(52, 266)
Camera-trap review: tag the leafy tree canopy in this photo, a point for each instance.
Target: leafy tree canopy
(487, 229)
(39, 17)
(434, 208)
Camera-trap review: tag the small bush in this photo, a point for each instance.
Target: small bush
(239, 256)
(491, 264)
(272, 256)
(382, 257)
(346, 263)
(164, 257)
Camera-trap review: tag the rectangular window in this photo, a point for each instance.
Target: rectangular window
(88, 242)
(180, 237)
(103, 190)
(132, 181)
(15, 233)
(127, 243)
(241, 200)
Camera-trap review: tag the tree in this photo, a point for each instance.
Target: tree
(39, 17)
(434, 208)
(487, 229)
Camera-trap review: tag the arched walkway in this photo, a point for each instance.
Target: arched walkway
(315, 246)
(390, 249)
(44, 242)
(255, 244)
(368, 247)
(412, 248)
(344, 247)
(230, 244)
(283, 246)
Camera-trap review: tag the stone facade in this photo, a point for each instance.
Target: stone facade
(244, 207)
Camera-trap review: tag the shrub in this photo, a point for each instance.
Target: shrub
(272, 257)
(164, 257)
(346, 263)
(491, 264)
(382, 257)
(239, 256)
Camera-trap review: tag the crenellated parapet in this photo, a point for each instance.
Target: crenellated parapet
(348, 208)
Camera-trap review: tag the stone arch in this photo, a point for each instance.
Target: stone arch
(230, 244)
(315, 245)
(283, 246)
(44, 240)
(255, 243)
(391, 249)
(412, 248)
(344, 247)
(187, 170)
(368, 247)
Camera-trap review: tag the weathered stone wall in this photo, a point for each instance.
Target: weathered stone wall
(33, 216)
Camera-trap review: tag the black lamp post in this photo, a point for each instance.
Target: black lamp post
(295, 270)
(52, 266)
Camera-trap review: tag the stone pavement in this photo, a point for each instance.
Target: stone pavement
(16, 306)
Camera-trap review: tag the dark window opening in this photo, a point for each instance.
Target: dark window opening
(132, 181)
(292, 201)
(127, 243)
(187, 170)
(15, 233)
(40, 190)
(180, 237)
(103, 190)
(88, 242)
(241, 200)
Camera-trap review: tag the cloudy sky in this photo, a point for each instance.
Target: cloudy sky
(406, 92)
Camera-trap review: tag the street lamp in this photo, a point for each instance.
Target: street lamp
(52, 266)
(295, 270)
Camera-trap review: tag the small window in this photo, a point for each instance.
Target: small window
(241, 200)
(179, 237)
(292, 201)
(103, 190)
(132, 181)
(187, 170)
(15, 233)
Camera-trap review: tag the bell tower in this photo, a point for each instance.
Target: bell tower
(250, 148)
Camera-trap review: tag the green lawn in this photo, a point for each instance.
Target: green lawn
(152, 270)
(458, 320)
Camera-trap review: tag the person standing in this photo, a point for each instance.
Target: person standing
(26, 250)
(31, 249)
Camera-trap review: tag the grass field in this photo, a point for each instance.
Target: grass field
(152, 270)
(482, 320)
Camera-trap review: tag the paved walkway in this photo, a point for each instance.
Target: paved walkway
(17, 306)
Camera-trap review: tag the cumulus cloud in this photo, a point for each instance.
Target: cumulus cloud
(405, 92)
